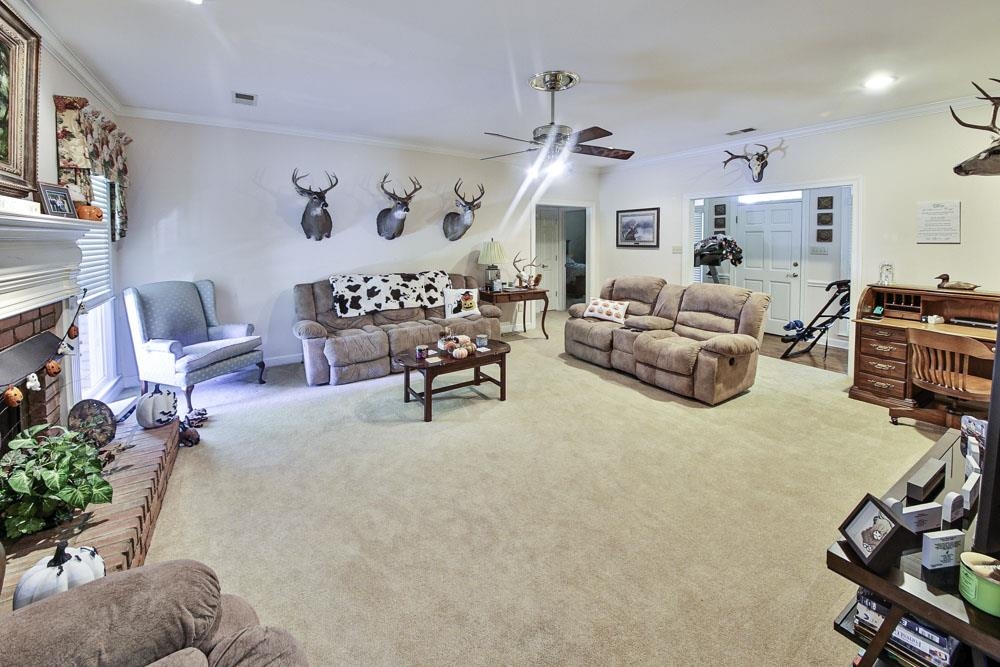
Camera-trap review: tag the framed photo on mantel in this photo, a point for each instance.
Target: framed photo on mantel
(638, 228)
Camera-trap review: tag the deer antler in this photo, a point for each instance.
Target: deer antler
(416, 188)
(766, 151)
(461, 195)
(992, 127)
(390, 194)
(733, 156)
(333, 182)
(309, 192)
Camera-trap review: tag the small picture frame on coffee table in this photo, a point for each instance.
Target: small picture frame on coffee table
(876, 535)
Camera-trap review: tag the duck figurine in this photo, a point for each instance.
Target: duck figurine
(948, 283)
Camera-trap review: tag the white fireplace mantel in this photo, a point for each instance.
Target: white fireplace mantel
(39, 260)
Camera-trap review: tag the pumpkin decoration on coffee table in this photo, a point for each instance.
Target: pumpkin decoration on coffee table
(68, 568)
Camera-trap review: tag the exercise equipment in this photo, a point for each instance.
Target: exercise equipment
(820, 325)
(713, 251)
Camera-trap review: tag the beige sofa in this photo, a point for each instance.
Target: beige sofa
(339, 350)
(700, 341)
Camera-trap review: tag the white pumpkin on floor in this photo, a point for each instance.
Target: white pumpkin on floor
(68, 568)
(156, 408)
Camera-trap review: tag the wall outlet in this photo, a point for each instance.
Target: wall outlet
(819, 250)
(677, 250)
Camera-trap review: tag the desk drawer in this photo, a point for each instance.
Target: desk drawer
(515, 296)
(884, 348)
(889, 368)
(883, 333)
(881, 385)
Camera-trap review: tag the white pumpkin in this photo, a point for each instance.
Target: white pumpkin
(68, 568)
(156, 408)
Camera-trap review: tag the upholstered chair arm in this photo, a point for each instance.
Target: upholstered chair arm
(577, 309)
(304, 329)
(649, 323)
(157, 359)
(489, 310)
(731, 345)
(223, 331)
(165, 347)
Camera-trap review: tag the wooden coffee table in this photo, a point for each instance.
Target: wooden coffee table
(431, 369)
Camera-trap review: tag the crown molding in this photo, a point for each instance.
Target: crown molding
(52, 43)
(929, 109)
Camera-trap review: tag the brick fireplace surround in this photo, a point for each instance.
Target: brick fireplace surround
(41, 406)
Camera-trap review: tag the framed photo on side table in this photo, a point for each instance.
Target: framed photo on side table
(638, 228)
(55, 200)
(876, 535)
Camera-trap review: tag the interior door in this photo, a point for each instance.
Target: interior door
(549, 251)
(771, 237)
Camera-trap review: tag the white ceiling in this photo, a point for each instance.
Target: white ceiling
(664, 77)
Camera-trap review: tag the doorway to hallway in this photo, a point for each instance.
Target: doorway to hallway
(561, 251)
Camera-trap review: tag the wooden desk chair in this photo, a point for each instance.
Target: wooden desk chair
(939, 363)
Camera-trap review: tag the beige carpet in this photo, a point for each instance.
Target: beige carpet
(588, 520)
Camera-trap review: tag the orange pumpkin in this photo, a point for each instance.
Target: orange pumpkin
(12, 396)
(52, 368)
(73, 332)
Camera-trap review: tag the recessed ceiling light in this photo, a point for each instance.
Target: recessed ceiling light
(196, 2)
(879, 81)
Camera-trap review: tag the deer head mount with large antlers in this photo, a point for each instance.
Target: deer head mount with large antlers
(316, 221)
(391, 220)
(755, 161)
(987, 161)
(456, 224)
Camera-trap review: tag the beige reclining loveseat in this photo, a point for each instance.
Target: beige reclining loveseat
(700, 341)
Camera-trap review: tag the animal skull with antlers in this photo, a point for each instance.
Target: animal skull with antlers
(316, 221)
(456, 224)
(391, 220)
(987, 161)
(755, 161)
(523, 277)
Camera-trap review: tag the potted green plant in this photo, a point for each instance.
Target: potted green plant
(48, 473)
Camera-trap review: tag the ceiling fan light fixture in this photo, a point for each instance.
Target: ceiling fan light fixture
(879, 81)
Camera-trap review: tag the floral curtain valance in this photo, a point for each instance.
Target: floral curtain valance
(90, 143)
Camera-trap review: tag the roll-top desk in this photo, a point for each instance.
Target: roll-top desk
(881, 350)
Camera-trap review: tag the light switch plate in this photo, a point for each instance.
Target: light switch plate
(677, 250)
(819, 250)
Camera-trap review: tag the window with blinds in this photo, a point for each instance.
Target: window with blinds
(95, 267)
(696, 232)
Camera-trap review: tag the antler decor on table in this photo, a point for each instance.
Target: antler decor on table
(523, 277)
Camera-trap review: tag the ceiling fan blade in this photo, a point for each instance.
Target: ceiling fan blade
(506, 154)
(601, 151)
(504, 136)
(589, 134)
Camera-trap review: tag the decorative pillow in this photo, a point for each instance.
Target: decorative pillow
(433, 285)
(461, 302)
(605, 309)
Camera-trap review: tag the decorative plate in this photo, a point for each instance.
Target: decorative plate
(95, 420)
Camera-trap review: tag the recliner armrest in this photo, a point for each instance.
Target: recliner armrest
(161, 345)
(731, 344)
(649, 323)
(304, 329)
(577, 309)
(489, 310)
(224, 331)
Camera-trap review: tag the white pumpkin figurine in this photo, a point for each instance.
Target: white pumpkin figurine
(156, 408)
(68, 568)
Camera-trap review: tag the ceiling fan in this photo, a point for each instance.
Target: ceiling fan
(556, 139)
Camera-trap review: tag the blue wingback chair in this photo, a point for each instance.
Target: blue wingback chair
(177, 337)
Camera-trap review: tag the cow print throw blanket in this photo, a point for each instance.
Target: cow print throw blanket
(356, 294)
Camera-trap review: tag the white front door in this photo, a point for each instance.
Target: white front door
(549, 251)
(771, 237)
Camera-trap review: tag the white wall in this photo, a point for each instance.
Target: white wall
(897, 163)
(209, 202)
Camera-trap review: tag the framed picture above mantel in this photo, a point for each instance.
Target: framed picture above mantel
(18, 104)
(638, 228)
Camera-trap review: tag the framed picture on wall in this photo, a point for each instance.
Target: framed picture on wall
(720, 209)
(18, 104)
(824, 236)
(55, 200)
(638, 228)
(824, 203)
(824, 219)
(720, 223)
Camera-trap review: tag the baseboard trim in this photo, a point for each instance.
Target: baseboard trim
(283, 360)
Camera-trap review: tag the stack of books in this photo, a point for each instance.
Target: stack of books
(914, 642)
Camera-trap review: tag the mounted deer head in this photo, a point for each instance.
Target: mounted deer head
(755, 161)
(456, 224)
(316, 221)
(391, 220)
(987, 161)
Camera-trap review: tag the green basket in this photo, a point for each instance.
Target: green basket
(979, 582)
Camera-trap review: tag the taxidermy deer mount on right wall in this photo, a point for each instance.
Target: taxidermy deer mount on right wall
(987, 161)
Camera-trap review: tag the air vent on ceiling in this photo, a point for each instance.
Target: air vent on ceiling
(745, 130)
(245, 98)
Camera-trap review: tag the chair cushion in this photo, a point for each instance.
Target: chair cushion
(173, 310)
(639, 291)
(353, 346)
(205, 354)
(708, 309)
(591, 332)
(670, 353)
(648, 322)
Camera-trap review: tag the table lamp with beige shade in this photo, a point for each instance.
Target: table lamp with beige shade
(491, 256)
